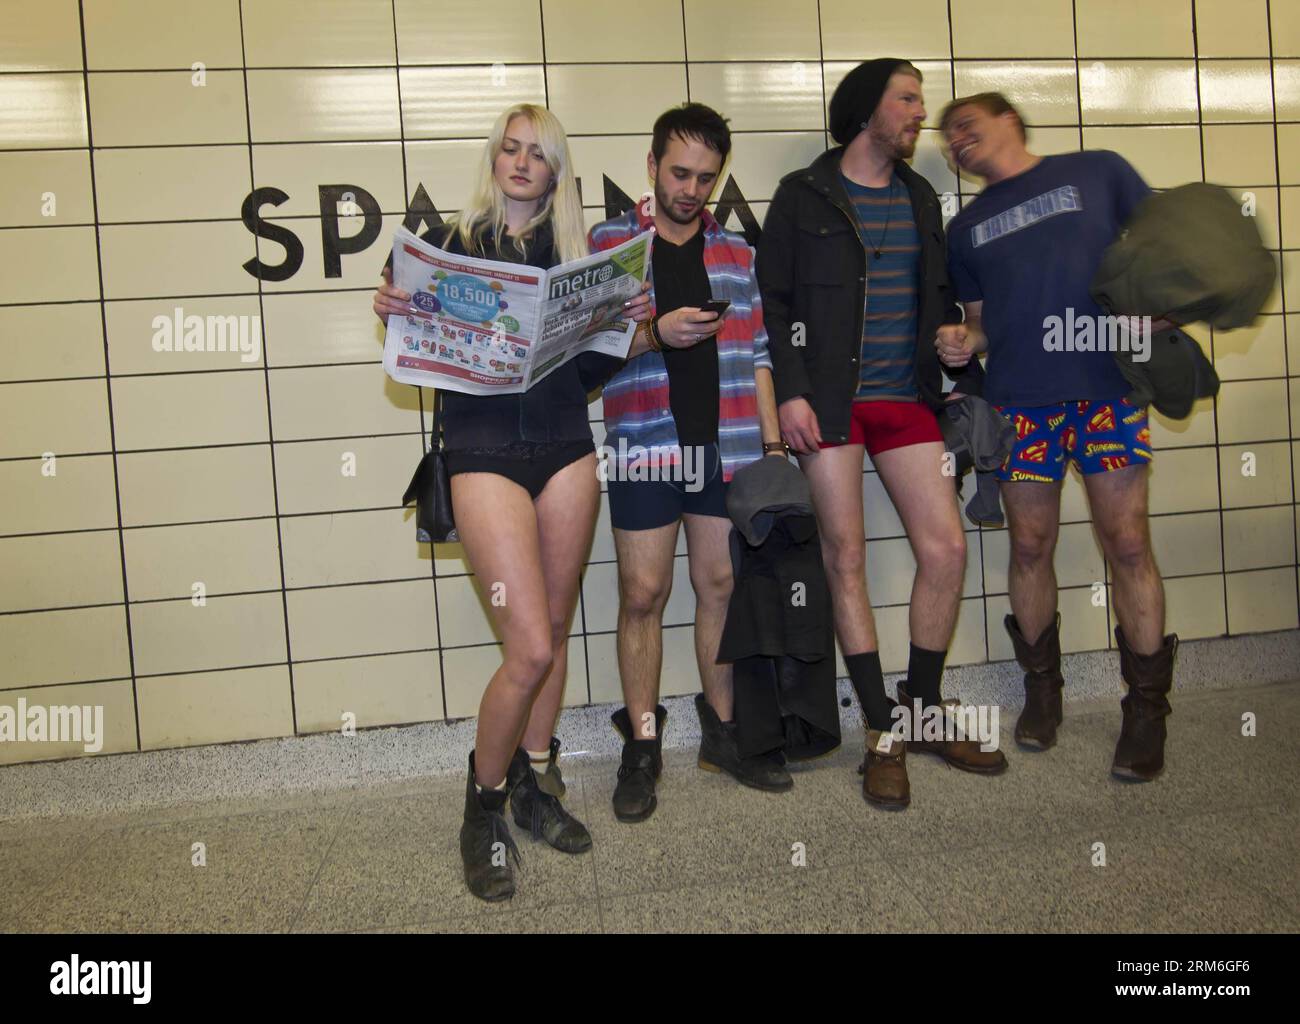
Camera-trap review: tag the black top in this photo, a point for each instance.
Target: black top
(681, 280)
(554, 409)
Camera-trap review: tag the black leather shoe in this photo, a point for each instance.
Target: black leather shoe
(540, 811)
(718, 753)
(634, 795)
(486, 846)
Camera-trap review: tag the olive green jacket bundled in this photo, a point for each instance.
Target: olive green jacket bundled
(1188, 254)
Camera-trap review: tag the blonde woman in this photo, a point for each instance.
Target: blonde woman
(525, 493)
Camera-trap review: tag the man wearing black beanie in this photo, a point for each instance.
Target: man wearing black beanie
(856, 97)
(854, 282)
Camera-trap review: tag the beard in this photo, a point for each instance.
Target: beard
(664, 203)
(899, 145)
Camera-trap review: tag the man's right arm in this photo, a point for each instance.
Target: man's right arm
(774, 268)
(979, 341)
(959, 343)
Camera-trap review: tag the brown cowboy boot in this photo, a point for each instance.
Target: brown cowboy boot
(1140, 753)
(884, 771)
(1041, 660)
(965, 754)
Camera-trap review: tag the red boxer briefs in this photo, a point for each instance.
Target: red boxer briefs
(883, 425)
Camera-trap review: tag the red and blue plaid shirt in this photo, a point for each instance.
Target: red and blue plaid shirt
(637, 410)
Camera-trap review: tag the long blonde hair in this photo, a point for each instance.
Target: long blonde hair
(486, 209)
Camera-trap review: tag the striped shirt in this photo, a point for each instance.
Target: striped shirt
(887, 369)
(636, 399)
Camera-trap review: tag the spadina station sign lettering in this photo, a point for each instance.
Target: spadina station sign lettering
(420, 214)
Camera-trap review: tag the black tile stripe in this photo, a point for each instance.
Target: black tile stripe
(103, 320)
(266, 381)
(1281, 241)
(1218, 463)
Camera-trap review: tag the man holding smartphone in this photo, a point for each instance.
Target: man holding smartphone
(680, 421)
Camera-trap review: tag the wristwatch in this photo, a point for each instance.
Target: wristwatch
(769, 447)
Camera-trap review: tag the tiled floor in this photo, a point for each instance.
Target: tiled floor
(1211, 846)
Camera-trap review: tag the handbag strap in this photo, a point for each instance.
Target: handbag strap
(435, 437)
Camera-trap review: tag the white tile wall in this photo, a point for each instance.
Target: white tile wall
(173, 470)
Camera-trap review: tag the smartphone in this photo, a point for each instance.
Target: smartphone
(719, 306)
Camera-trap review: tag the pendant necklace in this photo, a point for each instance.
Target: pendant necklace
(889, 211)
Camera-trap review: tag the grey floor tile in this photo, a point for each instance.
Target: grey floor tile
(555, 919)
(1150, 883)
(1253, 851)
(29, 867)
(866, 898)
(1209, 847)
(952, 809)
(708, 828)
(123, 783)
(1208, 764)
(398, 861)
(258, 870)
(77, 826)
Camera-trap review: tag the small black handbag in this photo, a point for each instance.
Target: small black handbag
(430, 488)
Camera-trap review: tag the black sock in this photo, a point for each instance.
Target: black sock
(869, 684)
(924, 670)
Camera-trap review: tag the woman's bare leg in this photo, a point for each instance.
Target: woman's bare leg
(566, 518)
(498, 529)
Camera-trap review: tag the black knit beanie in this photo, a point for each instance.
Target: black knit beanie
(858, 95)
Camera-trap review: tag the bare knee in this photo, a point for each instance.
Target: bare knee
(845, 557)
(943, 555)
(1030, 548)
(712, 584)
(642, 597)
(1129, 548)
(527, 659)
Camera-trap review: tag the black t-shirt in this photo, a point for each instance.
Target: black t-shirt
(681, 280)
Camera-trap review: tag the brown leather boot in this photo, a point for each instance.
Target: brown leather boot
(884, 771)
(960, 753)
(1041, 660)
(1140, 753)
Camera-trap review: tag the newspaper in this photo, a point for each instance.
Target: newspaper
(487, 327)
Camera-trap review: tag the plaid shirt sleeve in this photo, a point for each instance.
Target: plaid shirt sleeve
(762, 359)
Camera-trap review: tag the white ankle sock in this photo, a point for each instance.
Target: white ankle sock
(539, 759)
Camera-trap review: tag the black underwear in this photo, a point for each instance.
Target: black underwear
(530, 464)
